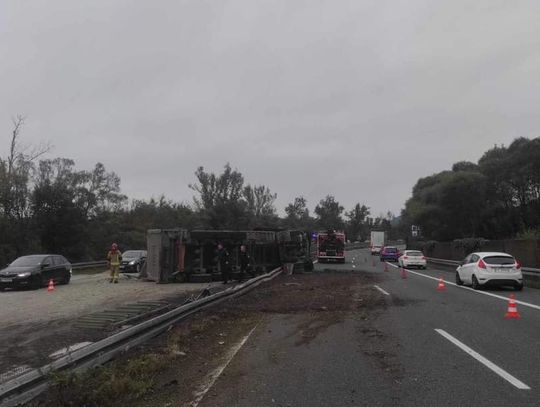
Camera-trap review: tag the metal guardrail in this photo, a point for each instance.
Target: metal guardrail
(88, 264)
(29, 385)
(525, 270)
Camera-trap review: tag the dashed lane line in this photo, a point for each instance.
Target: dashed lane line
(526, 304)
(211, 379)
(381, 290)
(490, 365)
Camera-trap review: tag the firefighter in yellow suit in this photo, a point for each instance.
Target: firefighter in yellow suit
(114, 257)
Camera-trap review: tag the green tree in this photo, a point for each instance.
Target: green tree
(328, 213)
(220, 199)
(260, 207)
(356, 222)
(297, 215)
(68, 206)
(16, 170)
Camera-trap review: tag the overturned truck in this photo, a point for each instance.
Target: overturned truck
(179, 255)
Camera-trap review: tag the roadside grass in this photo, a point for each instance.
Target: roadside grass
(115, 384)
(126, 380)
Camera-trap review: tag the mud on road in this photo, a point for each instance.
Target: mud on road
(191, 350)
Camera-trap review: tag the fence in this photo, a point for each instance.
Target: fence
(527, 251)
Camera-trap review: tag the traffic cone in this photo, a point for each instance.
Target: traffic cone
(441, 286)
(512, 308)
(403, 272)
(51, 285)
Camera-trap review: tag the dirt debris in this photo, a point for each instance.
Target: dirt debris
(197, 345)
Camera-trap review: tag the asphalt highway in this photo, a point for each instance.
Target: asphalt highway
(420, 347)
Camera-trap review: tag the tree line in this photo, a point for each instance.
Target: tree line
(496, 198)
(48, 205)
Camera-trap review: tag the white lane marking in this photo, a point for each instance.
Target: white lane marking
(211, 379)
(526, 304)
(490, 365)
(381, 290)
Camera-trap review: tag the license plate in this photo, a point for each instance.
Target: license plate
(6, 280)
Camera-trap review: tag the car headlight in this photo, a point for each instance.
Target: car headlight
(132, 263)
(27, 274)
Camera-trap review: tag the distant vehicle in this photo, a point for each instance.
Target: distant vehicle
(389, 253)
(490, 268)
(412, 258)
(132, 261)
(331, 246)
(377, 242)
(35, 271)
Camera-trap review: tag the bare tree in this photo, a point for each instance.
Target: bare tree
(15, 172)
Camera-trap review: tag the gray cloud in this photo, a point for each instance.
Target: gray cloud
(380, 92)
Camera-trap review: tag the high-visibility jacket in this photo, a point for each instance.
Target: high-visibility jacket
(114, 257)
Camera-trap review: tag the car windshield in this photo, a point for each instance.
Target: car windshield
(131, 254)
(505, 260)
(415, 254)
(390, 250)
(27, 261)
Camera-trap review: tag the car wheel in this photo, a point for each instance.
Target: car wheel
(475, 283)
(518, 287)
(138, 268)
(67, 278)
(459, 281)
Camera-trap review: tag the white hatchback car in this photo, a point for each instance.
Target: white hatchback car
(490, 268)
(412, 258)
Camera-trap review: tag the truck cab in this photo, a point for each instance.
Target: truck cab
(331, 246)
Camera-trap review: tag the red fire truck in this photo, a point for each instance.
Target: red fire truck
(331, 246)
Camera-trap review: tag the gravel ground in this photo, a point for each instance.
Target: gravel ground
(36, 323)
(85, 294)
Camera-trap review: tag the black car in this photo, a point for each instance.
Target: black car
(132, 260)
(35, 271)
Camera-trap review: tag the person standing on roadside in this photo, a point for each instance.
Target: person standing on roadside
(114, 257)
(224, 263)
(244, 263)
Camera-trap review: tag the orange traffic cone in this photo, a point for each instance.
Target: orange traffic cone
(512, 308)
(51, 285)
(441, 286)
(403, 272)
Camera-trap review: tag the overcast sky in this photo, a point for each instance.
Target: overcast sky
(352, 98)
